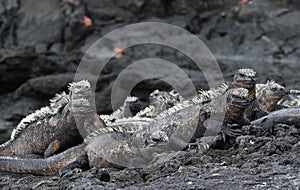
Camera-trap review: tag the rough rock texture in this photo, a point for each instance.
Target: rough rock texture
(42, 44)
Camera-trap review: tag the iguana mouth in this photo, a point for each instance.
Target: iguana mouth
(239, 98)
(242, 103)
(280, 93)
(246, 81)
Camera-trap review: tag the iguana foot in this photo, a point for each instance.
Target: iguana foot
(203, 143)
(102, 174)
(69, 172)
(77, 166)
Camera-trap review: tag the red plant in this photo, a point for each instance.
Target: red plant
(244, 2)
(87, 21)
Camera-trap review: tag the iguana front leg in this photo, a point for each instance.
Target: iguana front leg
(228, 131)
(267, 125)
(53, 147)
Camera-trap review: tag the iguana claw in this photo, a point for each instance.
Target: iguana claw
(266, 127)
(227, 131)
(200, 146)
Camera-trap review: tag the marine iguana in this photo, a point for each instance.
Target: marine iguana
(190, 120)
(272, 96)
(188, 124)
(160, 101)
(245, 78)
(88, 152)
(49, 130)
(130, 108)
(269, 95)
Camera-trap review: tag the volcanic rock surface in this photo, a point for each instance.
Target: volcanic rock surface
(42, 44)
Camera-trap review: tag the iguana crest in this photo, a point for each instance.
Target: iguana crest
(83, 84)
(294, 91)
(132, 99)
(247, 72)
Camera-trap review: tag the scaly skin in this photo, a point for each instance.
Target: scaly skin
(289, 116)
(49, 130)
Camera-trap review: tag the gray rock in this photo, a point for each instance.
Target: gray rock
(44, 86)
(39, 22)
(21, 65)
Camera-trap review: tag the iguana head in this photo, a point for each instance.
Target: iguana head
(269, 94)
(80, 103)
(162, 99)
(245, 78)
(133, 104)
(238, 98)
(81, 89)
(237, 102)
(155, 138)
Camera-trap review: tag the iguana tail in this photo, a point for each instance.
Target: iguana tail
(41, 166)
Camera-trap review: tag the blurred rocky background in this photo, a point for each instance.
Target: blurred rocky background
(42, 43)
